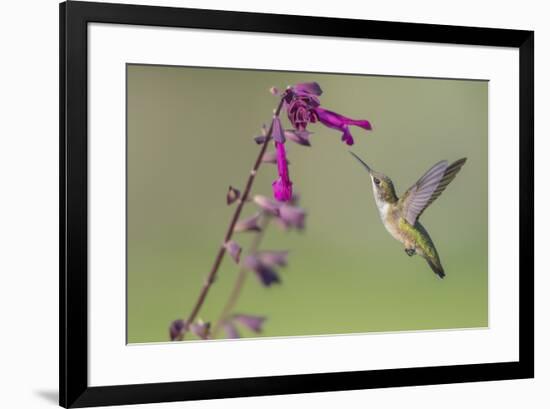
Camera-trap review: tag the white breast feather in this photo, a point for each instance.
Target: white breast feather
(383, 210)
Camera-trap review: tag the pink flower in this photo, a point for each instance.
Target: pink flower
(303, 107)
(336, 121)
(282, 187)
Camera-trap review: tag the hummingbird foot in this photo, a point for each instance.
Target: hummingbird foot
(410, 252)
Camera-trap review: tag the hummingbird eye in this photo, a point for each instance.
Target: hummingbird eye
(376, 181)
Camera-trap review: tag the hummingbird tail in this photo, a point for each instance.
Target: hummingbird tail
(436, 267)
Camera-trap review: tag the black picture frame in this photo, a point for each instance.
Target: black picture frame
(73, 349)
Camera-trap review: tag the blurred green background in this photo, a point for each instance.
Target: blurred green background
(190, 136)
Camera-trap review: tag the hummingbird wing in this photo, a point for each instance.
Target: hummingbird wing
(428, 188)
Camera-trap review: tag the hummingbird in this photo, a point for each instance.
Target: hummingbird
(400, 214)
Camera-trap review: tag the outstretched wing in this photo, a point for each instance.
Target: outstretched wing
(428, 188)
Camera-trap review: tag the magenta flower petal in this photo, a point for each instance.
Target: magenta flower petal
(361, 123)
(273, 258)
(282, 190)
(303, 107)
(252, 322)
(234, 250)
(336, 121)
(282, 187)
(176, 330)
(346, 136)
(308, 88)
(267, 205)
(230, 330)
(301, 111)
(200, 329)
(265, 273)
(331, 119)
(232, 195)
(249, 224)
(277, 132)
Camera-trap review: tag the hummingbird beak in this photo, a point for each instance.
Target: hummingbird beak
(361, 161)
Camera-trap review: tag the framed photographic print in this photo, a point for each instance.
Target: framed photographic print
(256, 204)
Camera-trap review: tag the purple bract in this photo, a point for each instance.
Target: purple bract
(252, 322)
(265, 272)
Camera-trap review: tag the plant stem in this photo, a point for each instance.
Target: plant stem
(239, 282)
(221, 252)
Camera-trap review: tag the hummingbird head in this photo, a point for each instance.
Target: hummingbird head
(382, 186)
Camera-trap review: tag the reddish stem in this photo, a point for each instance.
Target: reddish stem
(239, 282)
(221, 252)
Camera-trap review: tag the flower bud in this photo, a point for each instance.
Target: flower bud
(176, 330)
(232, 195)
